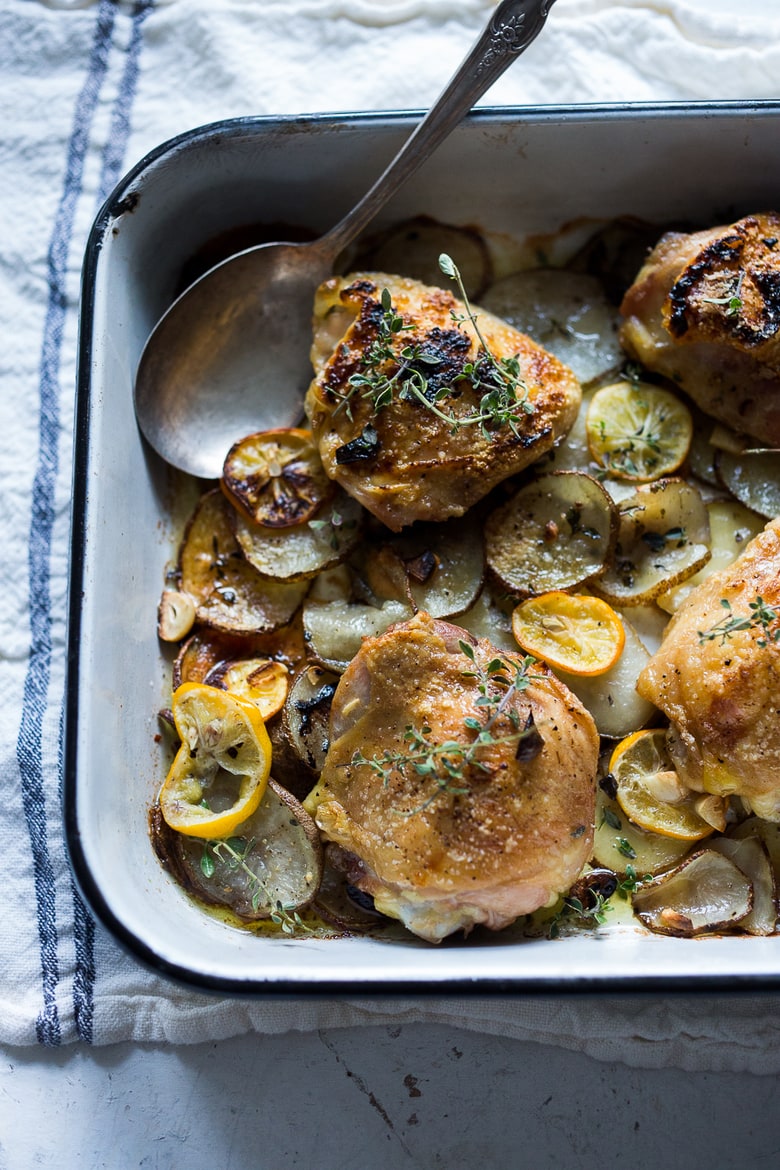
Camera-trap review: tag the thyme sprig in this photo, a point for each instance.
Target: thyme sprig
(761, 617)
(388, 374)
(447, 763)
(233, 852)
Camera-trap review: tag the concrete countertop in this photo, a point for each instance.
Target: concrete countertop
(421, 1096)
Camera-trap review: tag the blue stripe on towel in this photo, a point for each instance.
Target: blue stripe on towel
(29, 746)
(112, 161)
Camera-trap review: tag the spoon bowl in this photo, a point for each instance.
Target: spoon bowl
(231, 354)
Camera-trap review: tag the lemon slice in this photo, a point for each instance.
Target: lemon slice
(276, 478)
(262, 681)
(575, 633)
(219, 774)
(649, 791)
(638, 431)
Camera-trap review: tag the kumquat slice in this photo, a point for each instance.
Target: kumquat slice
(638, 431)
(650, 792)
(574, 633)
(220, 772)
(276, 477)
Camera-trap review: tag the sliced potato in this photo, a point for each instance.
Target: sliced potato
(753, 478)
(568, 313)
(337, 902)
(750, 854)
(414, 246)
(229, 592)
(573, 453)
(732, 525)
(302, 551)
(490, 617)
(616, 251)
(707, 892)
(664, 538)
(272, 865)
(556, 532)
(306, 719)
(335, 630)
(438, 568)
(276, 477)
(766, 831)
(618, 843)
(611, 697)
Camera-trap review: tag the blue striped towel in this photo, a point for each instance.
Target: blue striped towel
(87, 88)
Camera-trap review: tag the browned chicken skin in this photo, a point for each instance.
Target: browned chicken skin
(501, 838)
(705, 312)
(722, 694)
(402, 461)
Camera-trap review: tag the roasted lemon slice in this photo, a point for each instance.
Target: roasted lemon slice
(638, 431)
(219, 774)
(276, 477)
(575, 633)
(262, 681)
(650, 792)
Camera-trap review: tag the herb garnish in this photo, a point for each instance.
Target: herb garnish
(389, 374)
(447, 763)
(232, 852)
(761, 617)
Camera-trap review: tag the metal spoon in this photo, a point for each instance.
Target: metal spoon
(231, 355)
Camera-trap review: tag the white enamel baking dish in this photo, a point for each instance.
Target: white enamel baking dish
(511, 172)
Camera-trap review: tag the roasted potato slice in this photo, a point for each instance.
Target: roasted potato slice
(753, 478)
(750, 854)
(664, 538)
(306, 718)
(732, 525)
(438, 568)
(706, 893)
(335, 630)
(415, 245)
(611, 697)
(556, 532)
(276, 477)
(301, 552)
(618, 843)
(270, 866)
(568, 313)
(229, 592)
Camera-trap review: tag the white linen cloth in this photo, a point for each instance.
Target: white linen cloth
(86, 88)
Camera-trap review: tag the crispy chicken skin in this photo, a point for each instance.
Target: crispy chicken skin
(722, 695)
(515, 833)
(403, 462)
(705, 312)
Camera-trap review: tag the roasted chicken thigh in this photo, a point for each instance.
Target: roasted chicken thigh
(704, 311)
(446, 832)
(414, 416)
(716, 676)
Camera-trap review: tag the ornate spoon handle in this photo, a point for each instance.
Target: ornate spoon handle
(512, 27)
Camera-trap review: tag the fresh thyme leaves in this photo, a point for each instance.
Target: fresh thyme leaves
(389, 373)
(447, 763)
(761, 617)
(625, 848)
(233, 852)
(631, 882)
(591, 913)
